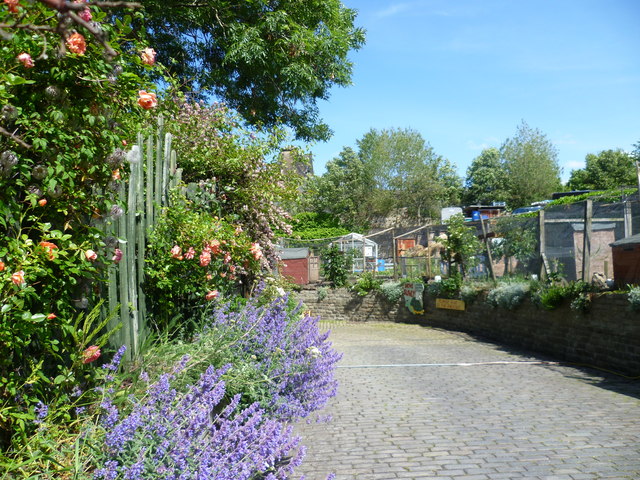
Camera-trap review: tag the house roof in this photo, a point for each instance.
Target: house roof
(632, 240)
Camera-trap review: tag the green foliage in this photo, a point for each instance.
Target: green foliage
(605, 171)
(615, 195)
(509, 294)
(345, 191)
(335, 265)
(392, 291)
(66, 113)
(552, 297)
(242, 171)
(486, 179)
(366, 283)
(461, 245)
(531, 165)
(312, 225)
(322, 293)
(270, 61)
(634, 298)
(407, 173)
(518, 238)
(447, 287)
(192, 258)
(554, 294)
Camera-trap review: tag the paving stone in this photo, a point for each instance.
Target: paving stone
(483, 422)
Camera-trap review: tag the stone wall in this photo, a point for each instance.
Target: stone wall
(608, 336)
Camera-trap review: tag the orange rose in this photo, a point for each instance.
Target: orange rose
(212, 294)
(52, 316)
(91, 255)
(49, 248)
(77, 43)
(1, 266)
(13, 5)
(18, 277)
(42, 202)
(147, 100)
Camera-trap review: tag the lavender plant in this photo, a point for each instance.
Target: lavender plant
(192, 434)
(286, 346)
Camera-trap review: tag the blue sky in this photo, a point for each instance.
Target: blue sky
(465, 73)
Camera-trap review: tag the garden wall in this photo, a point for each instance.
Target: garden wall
(608, 336)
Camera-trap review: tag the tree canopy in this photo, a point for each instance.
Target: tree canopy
(486, 179)
(270, 61)
(531, 165)
(604, 171)
(393, 169)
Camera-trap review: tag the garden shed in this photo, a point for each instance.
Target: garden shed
(365, 251)
(626, 261)
(299, 265)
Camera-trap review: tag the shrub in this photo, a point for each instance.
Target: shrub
(508, 295)
(366, 283)
(335, 266)
(391, 291)
(634, 298)
(447, 287)
(194, 257)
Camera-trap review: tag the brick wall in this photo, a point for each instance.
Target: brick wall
(608, 336)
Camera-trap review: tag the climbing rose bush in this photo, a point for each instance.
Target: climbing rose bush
(194, 257)
(68, 103)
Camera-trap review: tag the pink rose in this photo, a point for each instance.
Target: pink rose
(190, 253)
(117, 255)
(26, 60)
(147, 100)
(148, 56)
(227, 257)
(205, 258)
(91, 255)
(212, 294)
(176, 252)
(77, 43)
(86, 15)
(90, 354)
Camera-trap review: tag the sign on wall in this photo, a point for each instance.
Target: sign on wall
(413, 297)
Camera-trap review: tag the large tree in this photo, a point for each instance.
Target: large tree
(486, 180)
(531, 165)
(344, 190)
(269, 60)
(408, 173)
(606, 170)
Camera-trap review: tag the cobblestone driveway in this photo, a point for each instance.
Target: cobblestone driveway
(418, 403)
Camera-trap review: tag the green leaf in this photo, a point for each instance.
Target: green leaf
(12, 79)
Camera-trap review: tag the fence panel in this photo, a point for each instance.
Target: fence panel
(153, 171)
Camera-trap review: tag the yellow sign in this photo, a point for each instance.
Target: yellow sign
(449, 304)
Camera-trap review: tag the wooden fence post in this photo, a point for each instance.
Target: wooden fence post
(586, 249)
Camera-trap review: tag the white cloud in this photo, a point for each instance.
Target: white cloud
(574, 164)
(393, 10)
